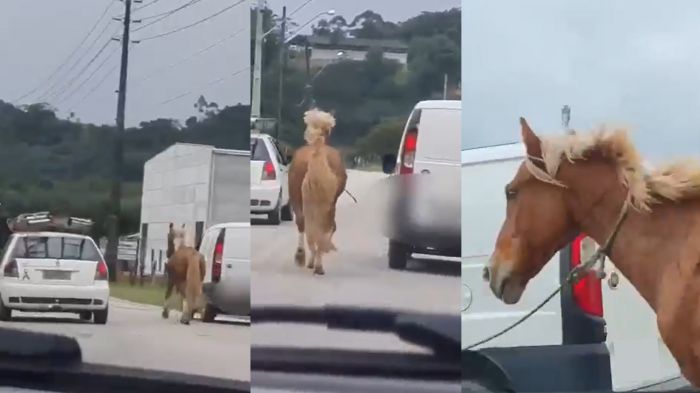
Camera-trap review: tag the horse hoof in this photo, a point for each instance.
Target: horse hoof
(184, 322)
(165, 314)
(299, 257)
(319, 270)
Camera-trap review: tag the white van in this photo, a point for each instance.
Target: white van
(226, 249)
(428, 147)
(596, 336)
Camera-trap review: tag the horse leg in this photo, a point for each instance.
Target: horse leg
(168, 294)
(300, 254)
(312, 251)
(318, 264)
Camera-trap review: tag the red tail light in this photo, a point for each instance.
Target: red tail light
(408, 155)
(217, 261)
(101, 272)
(268, 171)
(11, 269)
(587, 293)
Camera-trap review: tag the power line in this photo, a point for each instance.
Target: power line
(51, 90)
(192, 24)
(168, 13)
(300, 7)
(150, 3)
(214, 82)
(97, 86)
(64, 98)
(160, 70)
(164, 15)
(67, 59)
(82, 70)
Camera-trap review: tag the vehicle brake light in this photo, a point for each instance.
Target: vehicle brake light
(587, 293)
(11, 269)
(217, 260)
(408, 154)
(101, 272)
(268, 171)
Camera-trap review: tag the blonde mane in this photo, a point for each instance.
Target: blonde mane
(318, 125)
(182, 237)
(675, 182)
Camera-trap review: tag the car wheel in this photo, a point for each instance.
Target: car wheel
(5, 313)
(209, 313)
(398, 255)
(287, 212)
(85, 315)
(100, 316)
(275, 216)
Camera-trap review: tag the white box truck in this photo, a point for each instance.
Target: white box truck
(195, 185)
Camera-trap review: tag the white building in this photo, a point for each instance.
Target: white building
(324, 50)
(195, 185)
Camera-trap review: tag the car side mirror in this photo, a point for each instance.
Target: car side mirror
(389, 163)
(288, 157)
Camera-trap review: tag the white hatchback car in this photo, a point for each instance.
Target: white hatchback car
(53, 272)
(226, 249)
(268, 180)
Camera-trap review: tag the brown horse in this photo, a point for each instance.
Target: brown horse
(317, 177)
(581, 183)
(185, 269)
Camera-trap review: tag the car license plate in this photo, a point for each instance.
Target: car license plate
(56, 275)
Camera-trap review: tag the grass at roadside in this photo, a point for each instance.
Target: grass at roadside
(147, 294)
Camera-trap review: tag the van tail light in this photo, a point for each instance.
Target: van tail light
(101, 272)
(217, 261)
(587, 293)
(11, 269)
(268, 172)
(408, 153)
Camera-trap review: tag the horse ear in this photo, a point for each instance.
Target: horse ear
(532, 142)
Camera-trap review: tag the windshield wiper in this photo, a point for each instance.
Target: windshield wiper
(437, 332)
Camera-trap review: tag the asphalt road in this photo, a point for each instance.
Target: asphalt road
(136, 336)
(357, 274)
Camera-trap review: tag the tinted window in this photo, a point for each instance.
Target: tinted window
(258, 150)
(57, 247)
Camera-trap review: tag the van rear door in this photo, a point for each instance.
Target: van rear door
(485, 172)
(438, 137)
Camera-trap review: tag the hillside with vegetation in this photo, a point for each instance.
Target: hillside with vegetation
(63, 165)
(373, 97)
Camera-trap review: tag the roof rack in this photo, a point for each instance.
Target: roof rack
(46, 222)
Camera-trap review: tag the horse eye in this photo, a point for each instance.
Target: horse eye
(510, 193)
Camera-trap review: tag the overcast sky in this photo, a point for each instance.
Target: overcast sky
(37, 35)
(391, 10)
(631, 62)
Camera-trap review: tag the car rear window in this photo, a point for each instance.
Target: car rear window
(258, 150)
(55, 247)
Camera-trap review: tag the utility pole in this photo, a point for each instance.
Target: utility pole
(115, 196)
(565, 117)
(444, 87)
(257, 62)
(308, 94)
(283, 63)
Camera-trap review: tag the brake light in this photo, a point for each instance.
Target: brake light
(101, 272)
(408, 155)
(11, 269)
(268, 171)
(587, 293)
(217, 260)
